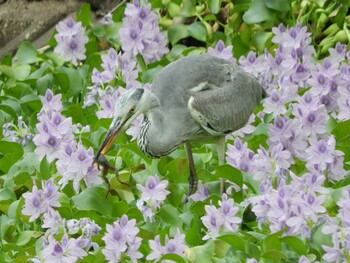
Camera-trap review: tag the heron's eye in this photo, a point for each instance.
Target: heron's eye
(132, 110)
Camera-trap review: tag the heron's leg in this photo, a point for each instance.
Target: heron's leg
(193, 180)
(220, 147)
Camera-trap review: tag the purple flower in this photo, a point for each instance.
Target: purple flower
(68, 250)
(68, 27)
(34, 203)
(275, 103)
(20, 133)
(201, 194)
(333, 254)
(213, 221)
(132, 36)
(121, 239)
(71, 41)
(81, 168)
(143, 13)
(141, 34)
(40, 201)
(321, 153)
(153, 194)
(71, 48)
(221, 51)
(51, 101)
(313, 121)
(228, 212)
(171, 246)
(221, 219)
(108, 103)
(52, 221)
(338, 53)
(47, 145)
(252, 64)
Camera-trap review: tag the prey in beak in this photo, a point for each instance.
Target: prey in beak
(100, 160)
(126, 111)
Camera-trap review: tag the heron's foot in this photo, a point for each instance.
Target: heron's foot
(104, 166)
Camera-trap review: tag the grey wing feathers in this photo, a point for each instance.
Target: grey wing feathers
(223, 109)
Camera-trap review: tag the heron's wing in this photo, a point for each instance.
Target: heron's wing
(225, 108)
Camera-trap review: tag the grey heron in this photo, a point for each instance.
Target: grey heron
(196, 98)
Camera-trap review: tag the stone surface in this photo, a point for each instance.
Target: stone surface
(31, 19)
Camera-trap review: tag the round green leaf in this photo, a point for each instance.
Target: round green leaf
(18, 71)
(198, 31)
(214, 6)
(278, 5)
(26, 53)
(177, 32)
(257, 12)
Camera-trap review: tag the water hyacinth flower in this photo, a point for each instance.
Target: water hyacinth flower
(340, 232)
(52, 221)
(171, 246)
(221, 51)
(67, 250)
(140, 33)
(201, 194)
(17, 133)
(121, 240)
(222, 219)
(71, 40)
(153, 195)
(40, 200)
(82, 168)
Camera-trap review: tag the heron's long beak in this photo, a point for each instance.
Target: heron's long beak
(112, 134)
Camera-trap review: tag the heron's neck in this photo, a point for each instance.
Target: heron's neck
(155, 137)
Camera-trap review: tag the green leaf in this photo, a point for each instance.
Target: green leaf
(7, 194)
(10, 153)
(173, 9)
(260, 40)
(188, 8)
(69, 80)
(272, 242)
(341, 133)
(112, 33)
(176, 33)
(214, 6)
(198, 31)
(84, 15)
(279, 5)
(228, 172)
(149, 74)
(25, 237)
(18, 71)
(94, 198)
(257, 12)
(173, 257)
(277, 256)
(11, 106)
(202, 254)
(170, 215)
(31, 101)
(45, 172)
(296, 244)
(234, 240)
(26, 53)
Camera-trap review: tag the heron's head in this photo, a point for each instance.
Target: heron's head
(129, 105)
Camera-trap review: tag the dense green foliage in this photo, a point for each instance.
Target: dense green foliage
(191, 28)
